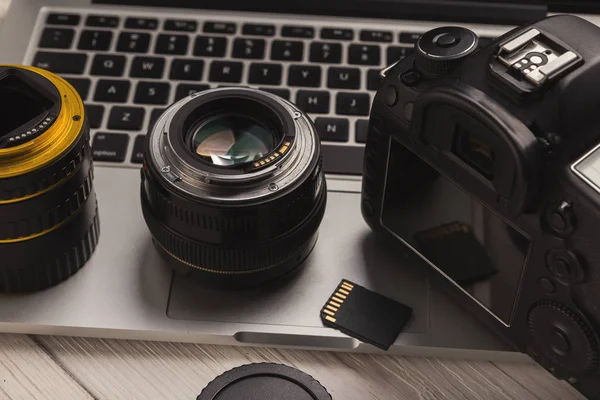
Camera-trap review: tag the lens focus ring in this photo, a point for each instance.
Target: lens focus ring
(234, 259)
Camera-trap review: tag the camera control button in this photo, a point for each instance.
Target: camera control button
(446, 40)
(390, 96)
(547, 285)
(561, 218)
(565, 266)
(407, 111)
(564, 339)
(410, 77)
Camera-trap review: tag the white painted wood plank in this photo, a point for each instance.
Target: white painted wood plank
(112, 369)
(28, 373)
(539, 381)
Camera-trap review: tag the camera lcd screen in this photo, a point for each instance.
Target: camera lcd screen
(455, 233)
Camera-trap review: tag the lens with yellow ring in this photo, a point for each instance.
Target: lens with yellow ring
(48, 211)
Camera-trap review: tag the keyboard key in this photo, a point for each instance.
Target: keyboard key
(186, 89)
(112, 91)
(155, 115)
(181, 25)
(95, 40)
(304, 75)
(226, 71)
(63, 19)
(141, 23)
(186, 70)
(409, 37)
(133, 42)
(147, 67)
(219, 27)
(258, 30)
(152, 93)
(265, 74)
(316, 102)
(94, 113)
(210, 46)
(137, 156)
(126, 118)
(376, 36)
(110, 146)
(283, 93)
(287, 50)
(249, 48)
(362, 130)
(104, 21)
(353, 104)
(172, 44)
(326, 52)
(57, 38)
(395, 53)
(337, 33)
(342, 159)
(364, 54)
(343, 78)
(60, 63)
(298, 31)
(332, 129)
(373, 79)
(108, 64)
(82, 85)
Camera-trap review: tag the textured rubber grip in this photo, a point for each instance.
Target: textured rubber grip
(235, 259)
(52, 270)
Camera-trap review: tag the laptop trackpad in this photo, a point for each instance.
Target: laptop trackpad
(347, 249)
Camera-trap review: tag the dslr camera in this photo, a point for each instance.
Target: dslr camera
(485, 161)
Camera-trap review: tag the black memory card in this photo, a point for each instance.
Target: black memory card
(365, 315)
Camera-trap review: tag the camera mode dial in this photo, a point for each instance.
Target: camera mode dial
(563, 337)
(440, 50)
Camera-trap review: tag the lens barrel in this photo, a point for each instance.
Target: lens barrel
(233, 224)
(48, 211)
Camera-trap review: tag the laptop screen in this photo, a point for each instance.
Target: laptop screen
(484, 11)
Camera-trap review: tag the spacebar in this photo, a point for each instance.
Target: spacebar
(342, 159)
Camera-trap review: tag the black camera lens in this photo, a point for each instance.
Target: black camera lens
(232, 139)
(48, 211)
(232, 187)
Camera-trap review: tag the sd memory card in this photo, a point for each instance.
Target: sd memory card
(365, 315)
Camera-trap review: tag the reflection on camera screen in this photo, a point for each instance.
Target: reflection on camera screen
(460, 237)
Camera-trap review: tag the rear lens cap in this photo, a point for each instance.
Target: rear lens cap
(264, 382)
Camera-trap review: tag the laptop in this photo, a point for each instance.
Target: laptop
(129, 59)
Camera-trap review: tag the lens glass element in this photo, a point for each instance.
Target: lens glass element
(231, 139)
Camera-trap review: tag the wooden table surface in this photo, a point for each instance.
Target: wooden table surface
(63, 368)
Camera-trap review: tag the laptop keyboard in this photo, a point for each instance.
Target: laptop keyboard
(128, 69)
